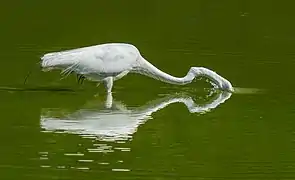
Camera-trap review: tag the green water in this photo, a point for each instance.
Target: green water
(58, 129)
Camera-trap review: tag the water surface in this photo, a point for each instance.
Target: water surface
(54, 128)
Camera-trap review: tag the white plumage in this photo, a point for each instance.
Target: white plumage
(109, 62)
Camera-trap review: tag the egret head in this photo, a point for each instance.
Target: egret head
(221, 82)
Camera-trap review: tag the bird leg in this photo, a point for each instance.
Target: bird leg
(108, 82)
(109, 100)
(80, 78)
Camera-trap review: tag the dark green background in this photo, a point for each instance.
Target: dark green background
(251, 43)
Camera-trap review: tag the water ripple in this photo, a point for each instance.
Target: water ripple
(105, 132)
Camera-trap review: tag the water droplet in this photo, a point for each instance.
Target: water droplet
(83, 168)
(104, 163)
(73, 154)
(121, 170)
(45, 166)
(85, 160)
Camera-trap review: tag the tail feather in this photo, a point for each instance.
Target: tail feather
(58, 61)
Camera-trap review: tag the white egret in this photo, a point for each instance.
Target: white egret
(111, 61)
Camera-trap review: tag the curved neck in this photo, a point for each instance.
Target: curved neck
(146, 68)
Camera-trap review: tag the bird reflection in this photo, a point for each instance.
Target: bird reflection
(113, 121)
